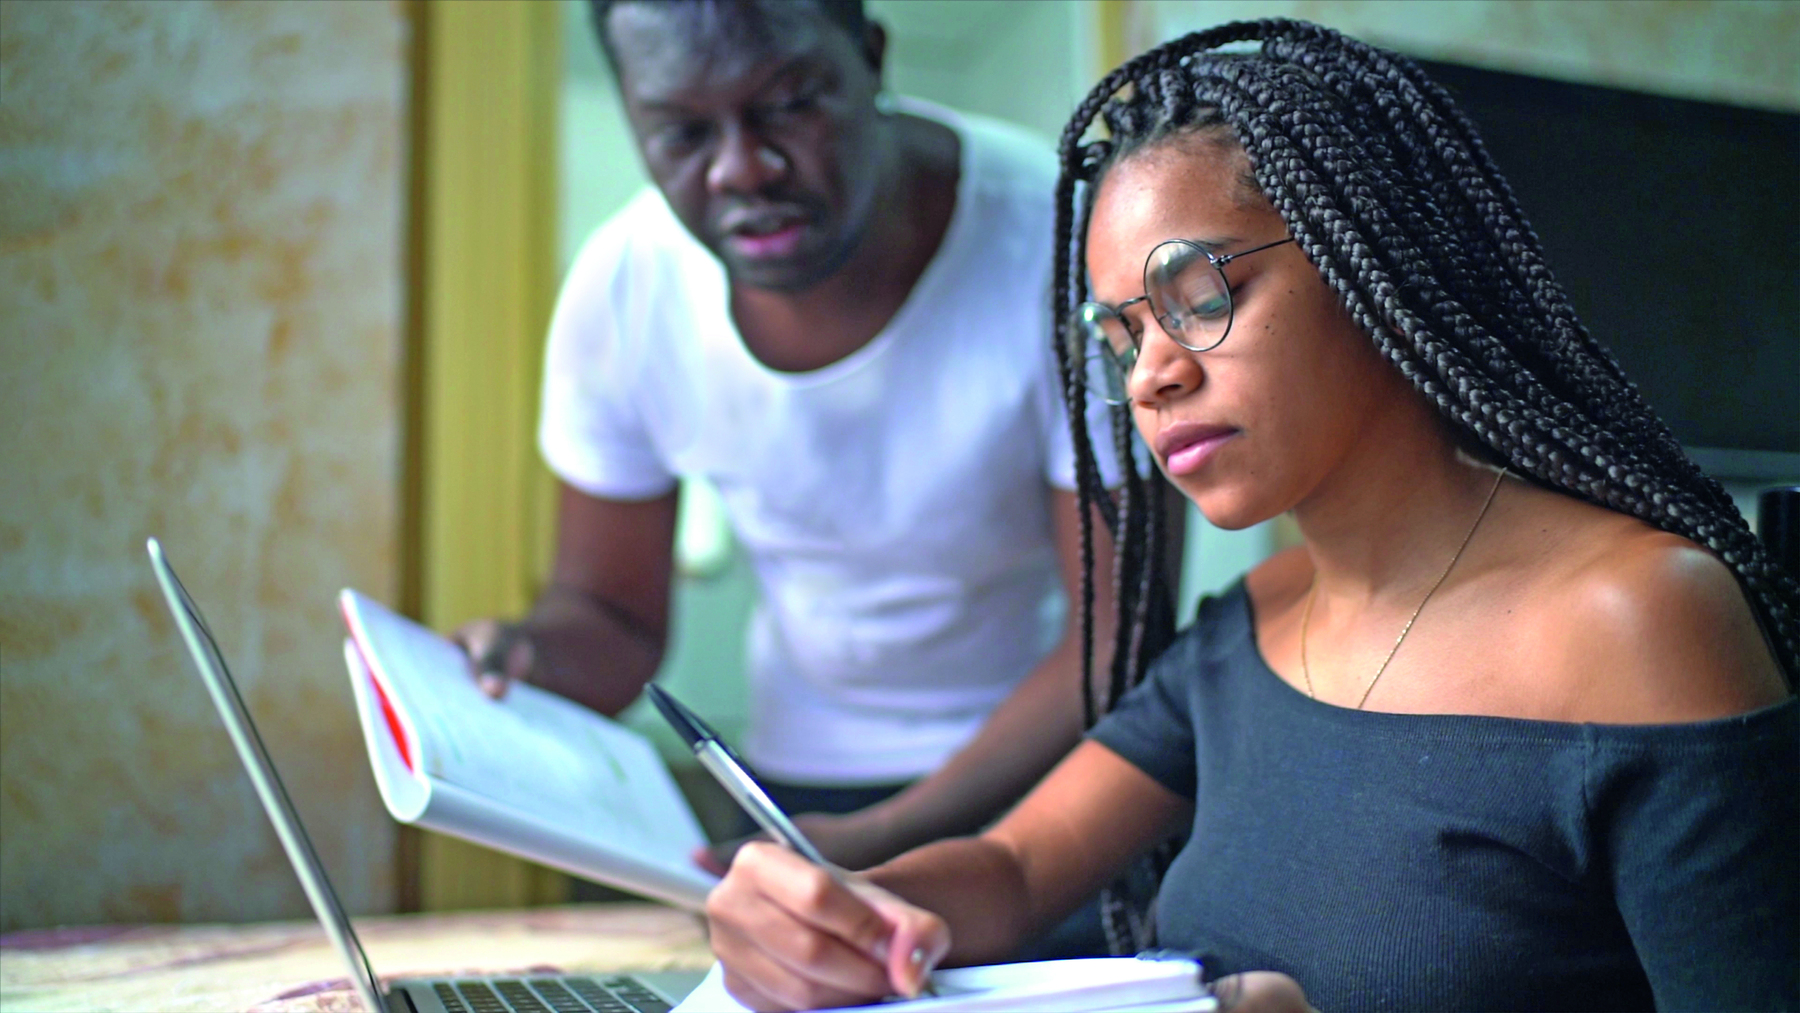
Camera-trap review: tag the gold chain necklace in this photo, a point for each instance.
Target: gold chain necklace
(1312, 592)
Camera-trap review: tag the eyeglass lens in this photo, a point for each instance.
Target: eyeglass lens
(1187, 294)
(1099, 333)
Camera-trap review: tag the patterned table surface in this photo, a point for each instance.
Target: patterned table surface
(291, 965)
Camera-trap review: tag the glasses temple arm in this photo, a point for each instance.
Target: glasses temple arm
(1228, 258)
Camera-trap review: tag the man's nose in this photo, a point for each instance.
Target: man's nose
(744, 162)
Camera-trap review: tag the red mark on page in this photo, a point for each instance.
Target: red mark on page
(392, 719)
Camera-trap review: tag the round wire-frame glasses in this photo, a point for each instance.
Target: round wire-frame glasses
(1185, 285)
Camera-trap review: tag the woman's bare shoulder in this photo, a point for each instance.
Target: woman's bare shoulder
(1641, 626)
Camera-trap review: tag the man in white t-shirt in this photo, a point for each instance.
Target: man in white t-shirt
(835, 308)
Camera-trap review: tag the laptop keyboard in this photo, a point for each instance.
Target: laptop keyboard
(549, 995)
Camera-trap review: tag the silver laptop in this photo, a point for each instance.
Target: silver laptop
(614, 993)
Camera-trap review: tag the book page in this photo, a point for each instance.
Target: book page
(1044, 986)
(671, 879)
(533, 751)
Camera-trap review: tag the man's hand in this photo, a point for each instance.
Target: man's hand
(500, 653)
(596, 632)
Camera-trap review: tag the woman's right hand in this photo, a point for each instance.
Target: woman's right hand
(1260, 992)
(500, 653)
(792, 935)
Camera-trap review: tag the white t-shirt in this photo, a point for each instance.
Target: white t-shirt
(893, 504)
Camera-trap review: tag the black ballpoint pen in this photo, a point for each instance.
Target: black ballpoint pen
(729, 771)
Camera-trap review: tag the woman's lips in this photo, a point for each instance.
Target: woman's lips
(1186, 446)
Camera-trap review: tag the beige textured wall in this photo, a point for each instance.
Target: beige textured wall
(201, 293)
(1737, 51)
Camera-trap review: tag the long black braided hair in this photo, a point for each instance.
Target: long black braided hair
(1387, 188)
(1385, 185)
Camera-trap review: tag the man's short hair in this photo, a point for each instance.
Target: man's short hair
(846, 14)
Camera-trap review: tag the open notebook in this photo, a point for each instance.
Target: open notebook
(1148, 984)
(532, 774)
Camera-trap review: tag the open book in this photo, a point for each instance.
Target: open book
(1140, 984)
(533, 774)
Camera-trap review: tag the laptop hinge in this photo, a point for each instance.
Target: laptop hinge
(399, 1000)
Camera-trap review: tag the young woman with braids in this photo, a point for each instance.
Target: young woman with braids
(1512, 729)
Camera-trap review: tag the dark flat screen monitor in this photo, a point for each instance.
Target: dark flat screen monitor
(1674, 225)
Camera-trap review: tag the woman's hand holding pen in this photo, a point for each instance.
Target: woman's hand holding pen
(792, 935)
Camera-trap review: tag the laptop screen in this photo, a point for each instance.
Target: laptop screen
(211, 662)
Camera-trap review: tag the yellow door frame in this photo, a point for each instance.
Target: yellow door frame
(487, 75)
(1111, 31)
